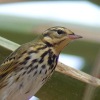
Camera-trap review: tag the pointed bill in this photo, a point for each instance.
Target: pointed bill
(74, 36)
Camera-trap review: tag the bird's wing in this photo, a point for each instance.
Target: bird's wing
(5, 68)
(7, 65)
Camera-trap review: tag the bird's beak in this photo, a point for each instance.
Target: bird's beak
(74, 36)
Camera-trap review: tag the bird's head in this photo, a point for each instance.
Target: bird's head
(58, 37)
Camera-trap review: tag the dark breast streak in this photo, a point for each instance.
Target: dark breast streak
(52, 59)
(51, 62)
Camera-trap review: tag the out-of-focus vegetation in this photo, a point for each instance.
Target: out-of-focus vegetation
(96, 2)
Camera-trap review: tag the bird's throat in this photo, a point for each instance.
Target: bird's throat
(59, 46)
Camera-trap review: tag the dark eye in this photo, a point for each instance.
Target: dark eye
(60, 32)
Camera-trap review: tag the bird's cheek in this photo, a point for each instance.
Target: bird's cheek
(65, 42)
(48, 39)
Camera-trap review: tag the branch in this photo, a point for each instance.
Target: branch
(77, 74)
(8, 44)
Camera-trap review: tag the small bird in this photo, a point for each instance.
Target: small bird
(28, 68)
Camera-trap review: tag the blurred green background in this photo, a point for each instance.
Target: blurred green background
(59, 87)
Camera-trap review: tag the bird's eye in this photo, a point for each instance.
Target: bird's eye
(60, 32)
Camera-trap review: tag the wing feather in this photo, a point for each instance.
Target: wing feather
(9, 63)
